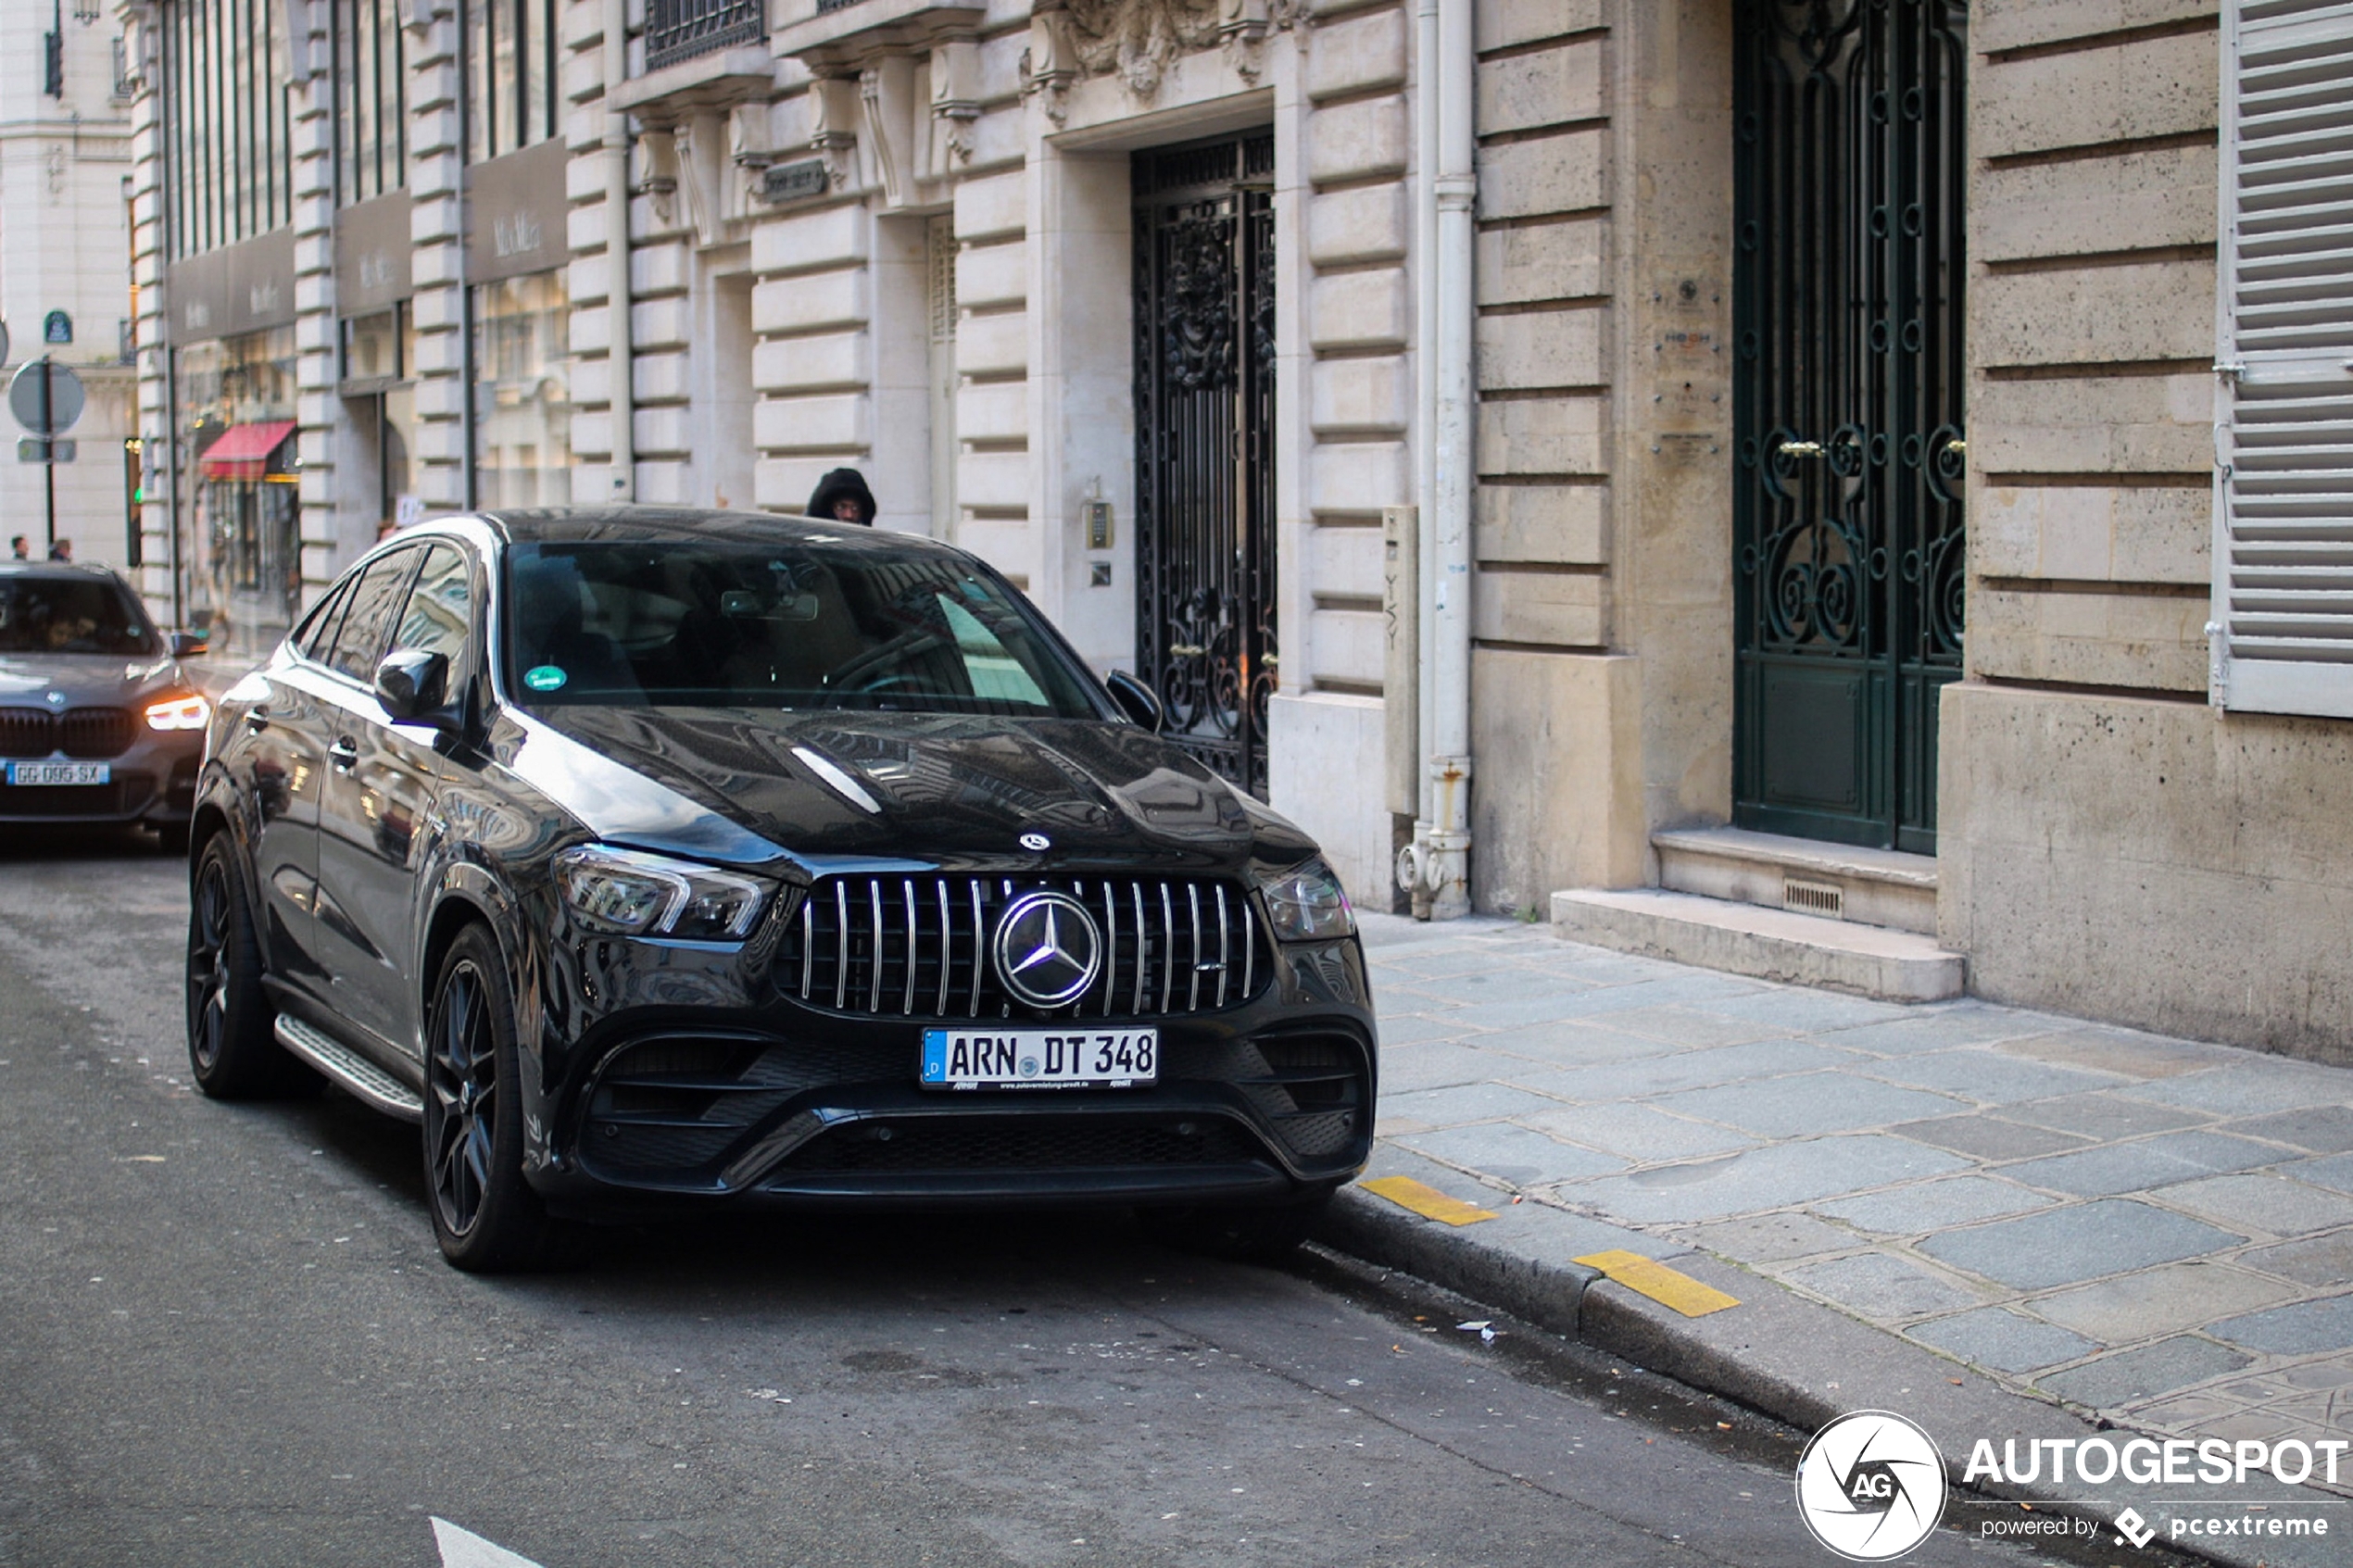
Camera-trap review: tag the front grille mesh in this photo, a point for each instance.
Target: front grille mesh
(916, 946)
(86, 732)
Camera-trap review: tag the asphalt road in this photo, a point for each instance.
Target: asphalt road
(226, 1337)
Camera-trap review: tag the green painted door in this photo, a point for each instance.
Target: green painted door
(1847, 408)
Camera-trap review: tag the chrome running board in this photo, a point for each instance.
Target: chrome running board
(353, 1072)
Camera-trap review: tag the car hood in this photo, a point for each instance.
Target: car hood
(82, 680)
(896, 786)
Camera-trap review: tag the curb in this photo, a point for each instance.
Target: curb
(1777, 1353)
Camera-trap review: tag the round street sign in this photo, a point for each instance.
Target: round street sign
(46, 398)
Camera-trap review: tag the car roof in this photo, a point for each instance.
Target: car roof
(61, 571)
(636, 523)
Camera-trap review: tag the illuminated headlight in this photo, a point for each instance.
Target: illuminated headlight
(637, 894)
(179, 713)
(1307, 904)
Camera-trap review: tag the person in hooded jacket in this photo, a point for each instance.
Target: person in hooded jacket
(842, 496)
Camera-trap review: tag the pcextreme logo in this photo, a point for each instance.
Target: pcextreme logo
(1870, 1486)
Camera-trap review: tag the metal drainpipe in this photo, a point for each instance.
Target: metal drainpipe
(620, 359)
(1446, 859)
(1409, 869)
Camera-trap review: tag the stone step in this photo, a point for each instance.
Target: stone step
(1869, 960)
(1840, 882)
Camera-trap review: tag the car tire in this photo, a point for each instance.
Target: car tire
(485, 1214)
(232, 1048)
(1257, 1236)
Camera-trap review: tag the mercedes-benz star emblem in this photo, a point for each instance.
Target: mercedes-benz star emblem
(1049, 949)
(1036, 841)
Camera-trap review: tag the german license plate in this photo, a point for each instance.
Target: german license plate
(60, 773)
(1040, 1059)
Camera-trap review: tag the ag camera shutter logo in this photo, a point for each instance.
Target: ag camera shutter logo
(1870, 1487)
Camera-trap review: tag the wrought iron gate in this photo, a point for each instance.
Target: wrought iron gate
(1847, 407)
(1204, 445)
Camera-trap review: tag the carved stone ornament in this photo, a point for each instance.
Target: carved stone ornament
(1138, 38)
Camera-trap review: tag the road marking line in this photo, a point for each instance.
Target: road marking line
(1426, 1201)
(461, 1548)
(1668, 1287)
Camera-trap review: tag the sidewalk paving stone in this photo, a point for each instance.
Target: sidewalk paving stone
(1932, 1205)
(1440, 1064)
(1770, 1238)
(1936, 1026)
(1986, 1077)
(1792, 1008)
(2077, 1242)
(2304, 1328)
(1774, 1177)
(1883, 1287)
(2167, 1300)
(1518, 1156)
(2103, 1050)
(2319, 1262)
(1991, 1138)
(1640, 1133)
(1810, 1102)
(1684, 1025)
(2332, 1171)
(2251, 1088)
(1576, 1044)
(2103, 1115)
(2004, 1340)
(1429, 1109)
(2260, 1203)
(2142, 1164)
(2126, 1376)
(2318, 1129)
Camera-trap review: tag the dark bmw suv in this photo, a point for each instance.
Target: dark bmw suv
(657, 858)
(98, 722)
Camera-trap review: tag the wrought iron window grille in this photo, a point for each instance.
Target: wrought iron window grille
(680, 29)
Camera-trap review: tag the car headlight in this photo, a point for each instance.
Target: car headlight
(1307, 904)
(184, 712)
(636, 893)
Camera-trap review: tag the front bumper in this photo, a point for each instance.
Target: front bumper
(778, 1103)
(154, 782)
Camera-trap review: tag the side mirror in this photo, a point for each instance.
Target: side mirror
(413, 686)
(1135, 699)
(187, 644)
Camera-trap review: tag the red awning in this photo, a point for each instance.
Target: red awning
(243, 451)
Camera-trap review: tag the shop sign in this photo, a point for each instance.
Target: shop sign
(232, 290)
(372, 251)
(515, 213)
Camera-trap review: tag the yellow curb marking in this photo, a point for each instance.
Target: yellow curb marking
(1426, 1201)
(1667, 1286)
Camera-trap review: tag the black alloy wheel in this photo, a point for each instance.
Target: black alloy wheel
(485, 1215)
(233, 1050)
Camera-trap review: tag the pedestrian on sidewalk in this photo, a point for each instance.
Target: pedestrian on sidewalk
(19, 548)
(842, 496)
(62, 550)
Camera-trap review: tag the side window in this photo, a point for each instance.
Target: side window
(317, 635)
(439, 617)
(359, 643)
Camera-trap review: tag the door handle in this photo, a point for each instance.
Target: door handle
(1801, 449)
(343, 753)
(257, 720)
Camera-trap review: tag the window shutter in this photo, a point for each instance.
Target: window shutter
(2283, 632)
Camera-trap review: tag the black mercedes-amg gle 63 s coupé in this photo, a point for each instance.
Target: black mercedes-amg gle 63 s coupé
(652, 858)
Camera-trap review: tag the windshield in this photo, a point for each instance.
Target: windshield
(71, 615)
(734, 625)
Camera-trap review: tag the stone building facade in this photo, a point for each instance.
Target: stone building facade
(65, 272)
(1886, 560)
